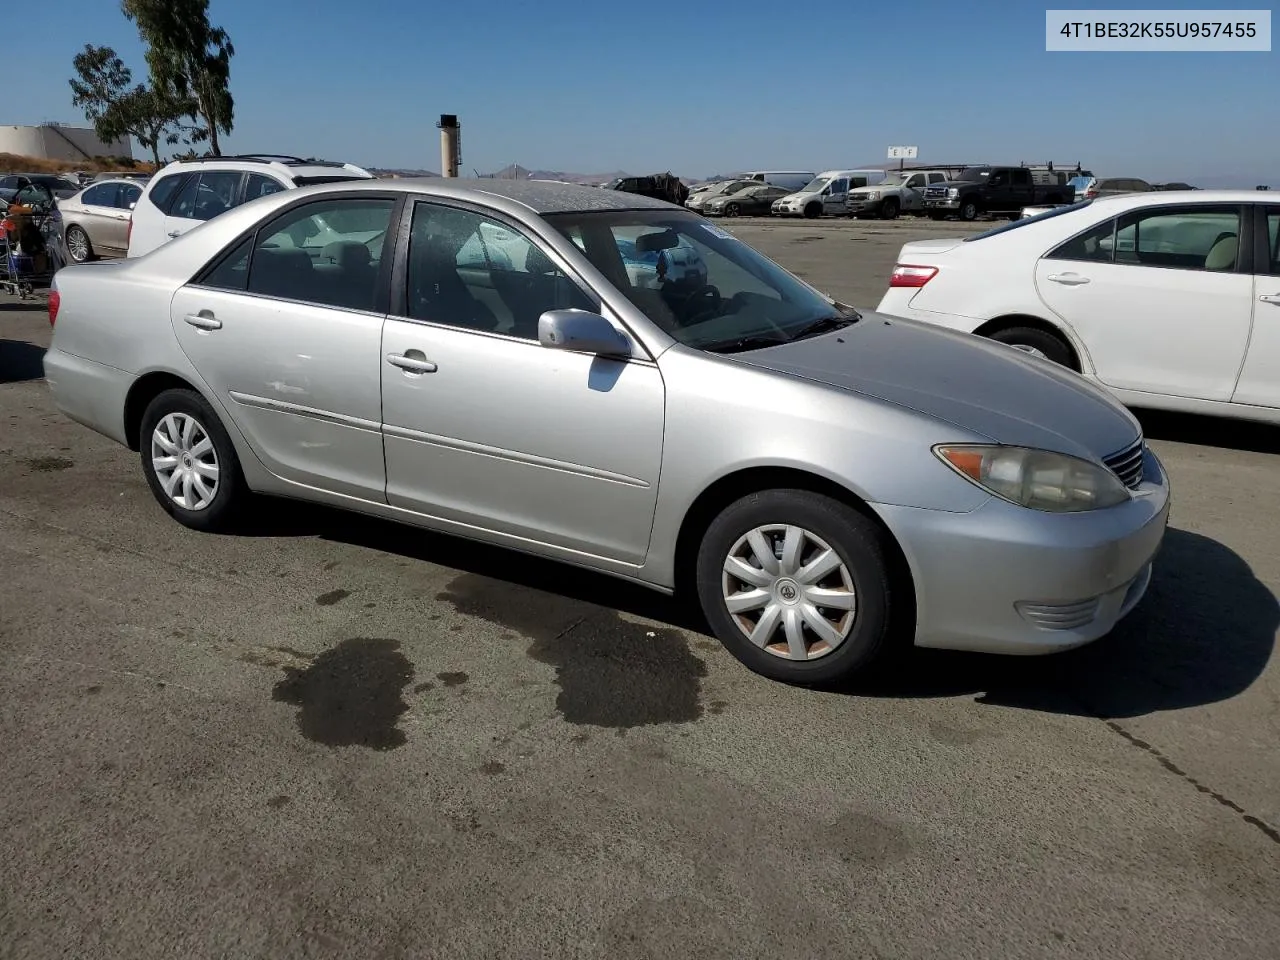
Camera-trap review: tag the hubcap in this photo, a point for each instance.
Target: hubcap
(78, 245)
(185, 462)
(1031, 350)
(789, 592)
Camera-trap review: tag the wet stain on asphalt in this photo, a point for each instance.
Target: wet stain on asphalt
(49, 464)
(867, 840)
(492, 768)
(452, 679)
(332, 564)
(351, 695)
(717, 707)
(275, 803)
(611, 673)
(94, 689)
(332, 597)
(424, 687)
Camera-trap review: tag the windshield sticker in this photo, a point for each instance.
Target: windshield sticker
(717, 232)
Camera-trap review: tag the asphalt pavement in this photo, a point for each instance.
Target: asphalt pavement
(336, 737)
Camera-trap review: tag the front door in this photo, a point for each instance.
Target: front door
(203, 197)
(836, 197)
(489, 430)
(1157, 299)
(288, 335)
(1260, 377)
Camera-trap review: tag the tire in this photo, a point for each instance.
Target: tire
(813, 211)
(229, 491)
(1048, 345)
(78, 246)
(862, 633)
(890, 209)
(732, 210)
(969, 210)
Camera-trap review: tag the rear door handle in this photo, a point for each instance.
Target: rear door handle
(174, 234)
(1067, 279)
(1270, 298)
(203, 321)
(411, 364)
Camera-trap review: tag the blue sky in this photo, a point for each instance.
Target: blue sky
(695, 87)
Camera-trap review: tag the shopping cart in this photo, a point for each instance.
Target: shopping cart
(31, 248)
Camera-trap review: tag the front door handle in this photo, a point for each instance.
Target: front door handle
(411, 364)
(1067, 279)
(204, 320)
(174, 234)
(1270, 298)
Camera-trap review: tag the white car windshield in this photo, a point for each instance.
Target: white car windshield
(700, 284)
(894, 181)
(815, 185)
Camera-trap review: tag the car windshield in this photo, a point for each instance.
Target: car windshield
(896, 180)
(701, 285)
(1026, 221)
(975, 173)
(815, 185)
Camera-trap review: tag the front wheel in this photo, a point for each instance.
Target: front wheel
(969, 210)
(813, 211)
(189, 461)
(78, 246)
(732, 210)
(889, 209)
(797, 586)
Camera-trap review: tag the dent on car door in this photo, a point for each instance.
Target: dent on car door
(288, 337)
(486, 428)
(1157, 298)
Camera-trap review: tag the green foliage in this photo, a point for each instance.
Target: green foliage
(103, 88)
(191, 58)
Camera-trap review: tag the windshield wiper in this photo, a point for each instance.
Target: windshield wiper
(825, 325)
(745, 343)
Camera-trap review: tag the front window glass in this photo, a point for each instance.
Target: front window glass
(701, 285)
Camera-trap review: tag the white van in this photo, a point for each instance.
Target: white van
(786, 179)
(828, 192)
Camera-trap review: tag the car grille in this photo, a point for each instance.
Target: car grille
(936, 193)
(1127, 464)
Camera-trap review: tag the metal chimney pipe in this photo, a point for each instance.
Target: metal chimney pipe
(450, 144)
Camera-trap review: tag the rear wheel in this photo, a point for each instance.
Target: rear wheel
(1038, 343)
(797, 586)
(189, 461)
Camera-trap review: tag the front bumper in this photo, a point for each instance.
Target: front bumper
(1004, 579)
(779, 210)
(860, 205)
(945, 204)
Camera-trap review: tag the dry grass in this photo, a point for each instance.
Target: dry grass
(12, 163)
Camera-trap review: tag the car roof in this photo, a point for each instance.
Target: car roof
(292, 167)
(538, 196)
(1167, 197)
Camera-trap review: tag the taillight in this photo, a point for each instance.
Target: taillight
(55, 301)
(908, 275)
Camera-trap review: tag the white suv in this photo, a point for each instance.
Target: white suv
(186, 193)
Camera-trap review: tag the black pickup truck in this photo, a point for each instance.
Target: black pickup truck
(997, 190)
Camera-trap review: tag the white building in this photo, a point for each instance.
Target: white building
(51, 141)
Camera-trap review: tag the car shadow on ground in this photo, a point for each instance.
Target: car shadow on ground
(1203, 634)
(20, 361)
(1205, 431)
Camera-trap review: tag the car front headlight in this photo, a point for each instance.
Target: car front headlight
(1036, 479)
(953, 192)
(873, 195)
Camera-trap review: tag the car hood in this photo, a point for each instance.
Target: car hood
(959, 183)
(979, 385)
(798, 197)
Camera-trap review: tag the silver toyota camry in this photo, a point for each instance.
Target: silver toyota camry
(616, 383)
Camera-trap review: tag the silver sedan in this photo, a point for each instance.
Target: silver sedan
(532, 365)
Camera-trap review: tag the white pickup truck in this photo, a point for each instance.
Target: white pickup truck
(899, 192)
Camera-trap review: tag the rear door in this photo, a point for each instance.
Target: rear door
(287, 333)
(1260, 377)
(913, 192)
(203, 197)
(98, 216)
(115, 228)
(836, 196)
(1159, 296)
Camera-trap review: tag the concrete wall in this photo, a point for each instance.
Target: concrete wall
(60, 143)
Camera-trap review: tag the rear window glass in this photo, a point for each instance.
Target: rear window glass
(1014, 225)
(163, 192)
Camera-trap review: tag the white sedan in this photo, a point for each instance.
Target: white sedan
(1169, 300)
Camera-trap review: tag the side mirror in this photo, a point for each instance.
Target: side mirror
(132, 206)
(582, 332)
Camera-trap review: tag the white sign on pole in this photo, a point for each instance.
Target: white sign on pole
(903, 153)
